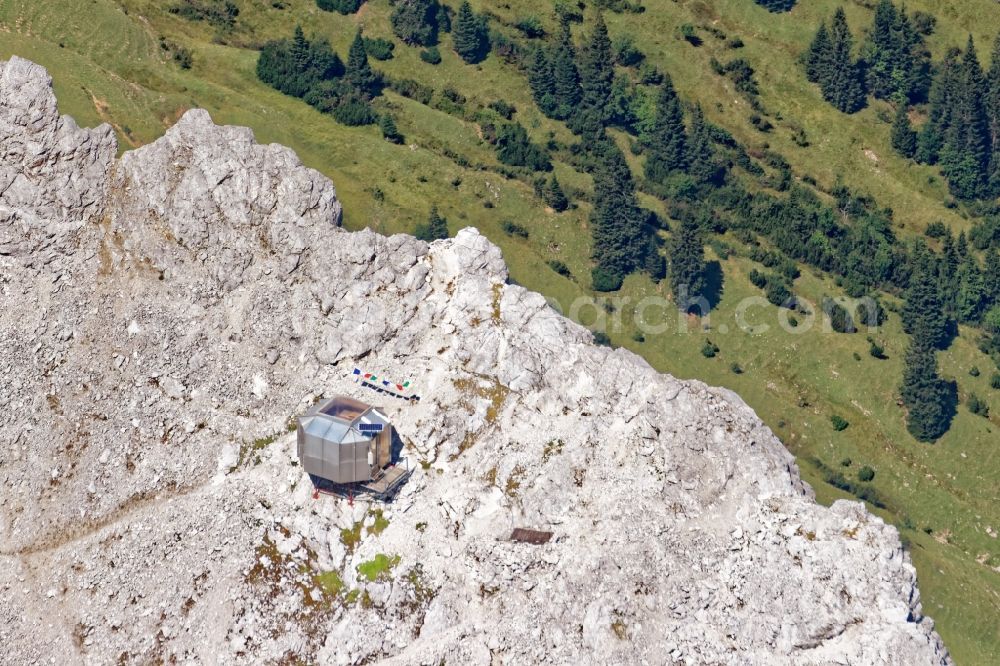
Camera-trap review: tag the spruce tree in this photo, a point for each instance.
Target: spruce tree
(359, 74)
(942, 99)
(515, 148)
(437, 224)
(842, 85)
(702, 164)
(904, 139)
(565, 77)
(991, 278)
(965, 153)
(388, 128)
(542, 84)
(667, 138)
(416, 21)
(616, 221)
(687, 263)
(554, 196)
(897, 61)
(300, 50)
(296, 67)
(962, 245)
(916, 57)
(819, 55)
(947, 270)
(881, 50)
(655, 264)
(992, 90)
(992, 104)
(469, 35)
(622, 105)
(596, 71)
(923, 312)
(970, 298)
(928, 399)
(436, 227)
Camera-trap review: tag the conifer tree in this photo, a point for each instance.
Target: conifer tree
(916, 65)
(515, 148)
(388, 128)
(702, 165)
(842, 84)
(435, 228)
(541, 82)
(991, 278)
(962, 245)
(655, 264)
(565, 77)
(819, 55)
(965, 153)
(667, 138)
(928, 399)
(296, 67)
(300, 49)
(992, 103)
(616, 220)
(881, 50)
(923, 312)
(416, 21)
(947, 269)
(469, 35)
(897, 61)
(970, 298)
(992, 89)
(621, 107)
(554, 195)
(596, 71)
(359, 73)
(904, 139)
(942, 98)
(687, 263)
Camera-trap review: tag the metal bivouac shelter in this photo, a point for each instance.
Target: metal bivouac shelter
(347, 445)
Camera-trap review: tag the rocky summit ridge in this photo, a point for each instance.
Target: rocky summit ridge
(167, 313)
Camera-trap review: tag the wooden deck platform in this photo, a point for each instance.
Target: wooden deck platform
(383, 487)
(387, 483)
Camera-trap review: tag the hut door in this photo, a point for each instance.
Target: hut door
(383, 444)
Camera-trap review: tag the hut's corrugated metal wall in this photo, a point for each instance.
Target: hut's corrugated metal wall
(336, 450)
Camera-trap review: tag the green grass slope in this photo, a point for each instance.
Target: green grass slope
(108, 65)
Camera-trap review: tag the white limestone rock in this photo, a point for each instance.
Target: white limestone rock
(681, 529)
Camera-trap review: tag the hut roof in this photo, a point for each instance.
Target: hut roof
(340, 418)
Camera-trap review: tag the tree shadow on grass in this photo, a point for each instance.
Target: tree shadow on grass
(951, 332)
(950, 406)
(702, 303)
(714, 284)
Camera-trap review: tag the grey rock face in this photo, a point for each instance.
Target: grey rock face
(153, 508)
(53, 175)
(217, 194)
